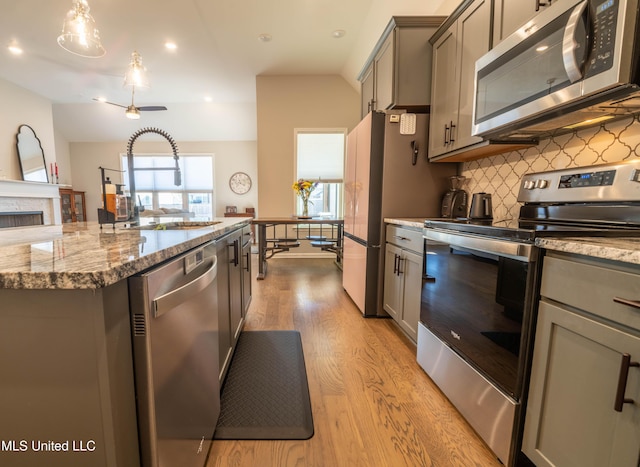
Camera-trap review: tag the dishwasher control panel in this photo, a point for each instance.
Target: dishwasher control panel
(193, 260)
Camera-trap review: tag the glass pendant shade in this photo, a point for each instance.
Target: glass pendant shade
(136, 74)
(79, 34)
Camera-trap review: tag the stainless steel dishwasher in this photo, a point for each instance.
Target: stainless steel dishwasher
(174, 314)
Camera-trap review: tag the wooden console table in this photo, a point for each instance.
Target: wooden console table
(269, 246)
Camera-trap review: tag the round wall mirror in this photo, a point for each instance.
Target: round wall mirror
(31, 155)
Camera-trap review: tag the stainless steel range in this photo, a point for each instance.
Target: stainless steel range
(479, 294)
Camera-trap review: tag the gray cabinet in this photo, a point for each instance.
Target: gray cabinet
(230, 295)
(455, 51)
(584, 397)
(403, 277)
(234, 243)
(396, 74)
(509, 15)
(246, 269)
(462, 39)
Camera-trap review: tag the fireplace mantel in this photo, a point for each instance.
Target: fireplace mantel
(16, 195)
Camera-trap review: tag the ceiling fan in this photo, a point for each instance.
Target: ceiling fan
(133, 111)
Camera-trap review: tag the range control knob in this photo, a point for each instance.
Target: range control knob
(542, 183)
(529, 185)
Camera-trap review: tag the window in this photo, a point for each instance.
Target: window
(155, 189)
(320, 156)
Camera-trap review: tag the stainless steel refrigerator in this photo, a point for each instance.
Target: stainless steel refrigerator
(387, 174)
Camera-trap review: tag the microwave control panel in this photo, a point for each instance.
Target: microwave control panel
(604, 19)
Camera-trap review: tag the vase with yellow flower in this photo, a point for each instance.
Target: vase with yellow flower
(303, 189)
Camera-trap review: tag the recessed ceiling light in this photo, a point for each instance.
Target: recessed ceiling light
(208, 99)
(15, 49)
(170, 45)
(265, 37)
(338, 33)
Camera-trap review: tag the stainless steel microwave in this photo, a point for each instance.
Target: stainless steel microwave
(576, 63)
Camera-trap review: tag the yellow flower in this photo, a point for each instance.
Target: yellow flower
(303, 187)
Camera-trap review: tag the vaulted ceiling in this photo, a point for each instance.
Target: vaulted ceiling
(217, 58)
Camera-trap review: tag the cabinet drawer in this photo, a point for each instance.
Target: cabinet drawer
(592, 288)
(405, 238)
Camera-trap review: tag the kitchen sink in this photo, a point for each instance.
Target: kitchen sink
(186, 225)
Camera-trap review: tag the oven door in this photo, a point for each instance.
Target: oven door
(475, 299)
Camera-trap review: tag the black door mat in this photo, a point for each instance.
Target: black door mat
(265, 394)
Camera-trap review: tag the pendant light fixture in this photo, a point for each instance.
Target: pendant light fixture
(136, 74)
(79, 34)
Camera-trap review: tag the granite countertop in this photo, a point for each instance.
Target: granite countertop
(414, 222)
(625, 249)
(83, 256)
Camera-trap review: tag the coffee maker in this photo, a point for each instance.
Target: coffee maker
(454, 203)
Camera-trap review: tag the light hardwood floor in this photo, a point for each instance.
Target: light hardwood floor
(372, 404)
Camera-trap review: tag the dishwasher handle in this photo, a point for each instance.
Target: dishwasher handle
(172, 299)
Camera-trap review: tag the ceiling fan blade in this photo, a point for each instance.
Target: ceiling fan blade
(152, 107)
(112, 103)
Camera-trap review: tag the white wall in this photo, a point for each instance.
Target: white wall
(229, 157)
(20, 106)
(286, 103)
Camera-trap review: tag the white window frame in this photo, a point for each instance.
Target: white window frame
(340, 201)
(185, 192)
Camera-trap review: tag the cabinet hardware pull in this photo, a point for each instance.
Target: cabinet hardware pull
(624, 301)
(395, 263)
(248, 262)
(236, 252)
(399, 263)
(622, 382)
(451, 140)
(446, 137)
(541, 4)
(400, 237)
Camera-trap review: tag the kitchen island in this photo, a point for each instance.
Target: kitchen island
(65, 338)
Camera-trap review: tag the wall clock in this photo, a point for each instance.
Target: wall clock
(240, 183)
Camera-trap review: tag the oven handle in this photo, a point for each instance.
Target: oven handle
(515, 250)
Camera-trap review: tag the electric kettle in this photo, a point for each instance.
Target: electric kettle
(481, 207)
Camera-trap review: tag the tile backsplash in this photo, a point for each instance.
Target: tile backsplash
(500, 175)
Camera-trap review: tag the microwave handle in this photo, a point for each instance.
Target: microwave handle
(571, 66)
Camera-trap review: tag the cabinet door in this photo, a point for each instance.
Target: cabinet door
(224, 325)
(570, 419)
(473, 37)
(511, 14)
(79, 208)
(385, 70)
(367, 91)
(392, 282)
(235, 287)
(66, 203)
(246, 270)
(411, 272)
(444, 96)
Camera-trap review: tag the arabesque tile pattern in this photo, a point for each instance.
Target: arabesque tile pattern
(500, 175)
